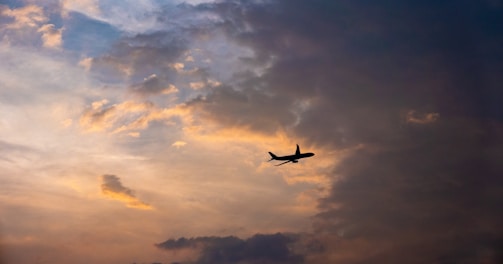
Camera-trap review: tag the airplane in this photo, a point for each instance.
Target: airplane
(291, 158)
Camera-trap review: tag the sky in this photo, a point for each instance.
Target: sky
(139, 131)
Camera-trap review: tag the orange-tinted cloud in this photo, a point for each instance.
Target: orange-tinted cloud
(128, 117)
(112, 187)
(29, 23)
(51, 37)
(179, 144)
(27, 16)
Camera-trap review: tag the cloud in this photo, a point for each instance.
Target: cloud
(51, 37)
(416, 118)
(29, 21)
(89, 7)
(341, 75)
(249, 108)
(274, 248)
(126, 117)
(86, 63)
(27, 16)
(12, 152)
(179, 144)
(141, 55)
(112, 187)
(130, 16)
(196, 85)
(432, 198)
(152, 85)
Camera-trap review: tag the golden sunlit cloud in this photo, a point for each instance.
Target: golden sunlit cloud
(179, 144)
(196, 85)
(28, 16)
(170, 89)
(178, 66)
(128, 116)
(134, 134)
(86, 63)
(32, 17)
(51, 37)
(112, 187)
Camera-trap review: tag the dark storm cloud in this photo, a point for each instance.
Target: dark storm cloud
(274, 248)
(416, 85)
(247, 108)
(432, 195)
(369, 63)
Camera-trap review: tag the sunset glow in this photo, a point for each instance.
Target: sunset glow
(139, 131)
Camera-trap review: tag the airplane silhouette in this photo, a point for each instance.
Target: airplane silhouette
(291, 158)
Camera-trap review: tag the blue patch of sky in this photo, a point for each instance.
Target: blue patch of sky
(55, 18)
(87, 36)
(12, 3)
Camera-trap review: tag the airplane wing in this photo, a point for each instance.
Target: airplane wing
(283, 163)
(297, 152)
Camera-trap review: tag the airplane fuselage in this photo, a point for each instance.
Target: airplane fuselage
(294, 158)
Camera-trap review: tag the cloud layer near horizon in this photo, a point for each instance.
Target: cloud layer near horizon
(273, 248)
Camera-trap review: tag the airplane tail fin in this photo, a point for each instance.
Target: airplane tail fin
(272, 156)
